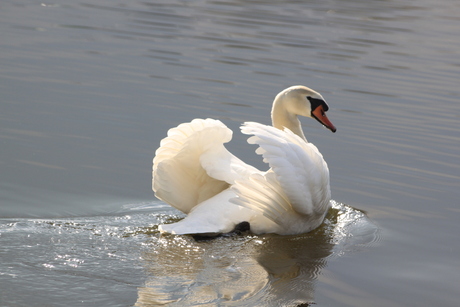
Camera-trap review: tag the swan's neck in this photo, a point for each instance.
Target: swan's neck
(282, 118)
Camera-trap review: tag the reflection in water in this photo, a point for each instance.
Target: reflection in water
(267, 270)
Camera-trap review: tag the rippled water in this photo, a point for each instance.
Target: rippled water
(116, 260)
(88, 89)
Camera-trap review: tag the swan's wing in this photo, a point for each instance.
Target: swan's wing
(299, 168)
(193, 165)
(220, 164)
(262, 193)
(177, 177)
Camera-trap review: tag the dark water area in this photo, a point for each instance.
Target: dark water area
(88, 90)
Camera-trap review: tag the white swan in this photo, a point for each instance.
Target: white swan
(195, 173)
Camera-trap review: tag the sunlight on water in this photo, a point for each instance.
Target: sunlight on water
(98, 252)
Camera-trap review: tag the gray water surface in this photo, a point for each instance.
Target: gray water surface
(88, 90)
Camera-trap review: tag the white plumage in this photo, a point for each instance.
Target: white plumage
(195, 173)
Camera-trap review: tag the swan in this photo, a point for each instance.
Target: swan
(194, 173)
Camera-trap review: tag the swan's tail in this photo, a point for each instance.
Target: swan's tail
(187, 226)
(213, 216)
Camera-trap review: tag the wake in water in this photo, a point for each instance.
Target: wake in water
(122, 259)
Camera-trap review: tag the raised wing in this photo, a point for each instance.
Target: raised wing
(178, 177)
(299, 168)
(192, 164)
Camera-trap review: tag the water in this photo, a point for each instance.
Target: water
(120, 259)
(88, 89)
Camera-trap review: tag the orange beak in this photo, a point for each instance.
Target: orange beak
(320, 116)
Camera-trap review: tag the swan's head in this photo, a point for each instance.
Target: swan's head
(301, 100)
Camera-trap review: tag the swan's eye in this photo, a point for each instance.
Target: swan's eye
(315, 102)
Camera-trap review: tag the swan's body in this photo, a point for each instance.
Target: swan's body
(195, 173)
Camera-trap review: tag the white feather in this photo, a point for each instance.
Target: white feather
(195, 173)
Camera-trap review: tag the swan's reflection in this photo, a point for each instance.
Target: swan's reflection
(268, 270)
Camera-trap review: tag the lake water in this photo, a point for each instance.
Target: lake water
(89, 88)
